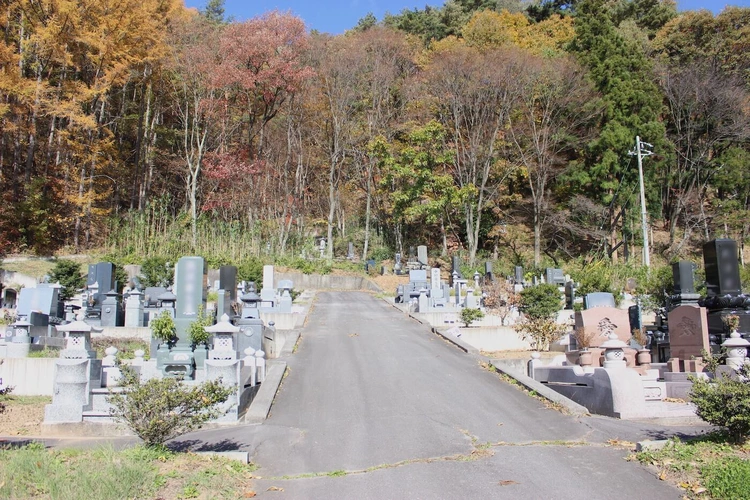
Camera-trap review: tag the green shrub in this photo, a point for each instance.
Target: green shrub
(161, 409)
(468, 316)
(163, 327)
(728, 479)
(725, 402)
(250, 269)
(381, 253)
(68, 274)
(197, 329)
(157, 271)
(539, 332)
(657, 288)
(541, 301)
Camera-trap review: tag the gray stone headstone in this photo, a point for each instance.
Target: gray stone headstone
(555, 276)
(134, 310)
(190, 279)
(418, 275)
(518, 276)
(103, 274)
(43, 299)
(435, 278)
(423, 304)
(268, 277)
(112, 310)
(598, 299)
(422, 254)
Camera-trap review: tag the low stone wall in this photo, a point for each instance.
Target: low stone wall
(124, 332)
(498, 338)
(328, 282)
(614, 392)
(28, 376)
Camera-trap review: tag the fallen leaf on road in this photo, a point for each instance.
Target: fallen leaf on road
(507, 482)
(663, 475)
(275, 488)
(620, 443)
(354, 335)
(250, 494)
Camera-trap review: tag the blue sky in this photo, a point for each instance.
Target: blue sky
(336, 16)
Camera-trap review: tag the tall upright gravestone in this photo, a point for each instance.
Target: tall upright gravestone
(190, 288)
(723, 289)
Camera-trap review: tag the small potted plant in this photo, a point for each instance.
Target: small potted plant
(732, 322)
(644, 355)
(163, 329)
(199, 338)
(583, 342)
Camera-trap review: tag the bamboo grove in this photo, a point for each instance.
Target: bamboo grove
(482, 127)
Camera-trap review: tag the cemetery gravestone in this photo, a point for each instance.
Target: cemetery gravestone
(688, 332)
(422, 255)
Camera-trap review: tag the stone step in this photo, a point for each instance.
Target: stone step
(95, 416)
(99, 403)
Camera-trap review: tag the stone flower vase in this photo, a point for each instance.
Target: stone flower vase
(585, 357)
(200, 354)
(643, 357)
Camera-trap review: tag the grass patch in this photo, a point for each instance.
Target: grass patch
(12, 400)
(103, 473)
(707, 467)
(44, 353)
(126, 347)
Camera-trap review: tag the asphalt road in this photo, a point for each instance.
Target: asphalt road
(376, 406)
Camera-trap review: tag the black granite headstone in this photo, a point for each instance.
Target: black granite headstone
(683, 273)
(722, 267)
(228, 281)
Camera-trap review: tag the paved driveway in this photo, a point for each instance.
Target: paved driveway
(376, 406)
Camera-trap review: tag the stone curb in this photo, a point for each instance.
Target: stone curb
(239, 456)
(261, 405)
(541, 389)
(651, 445)
(457, 341)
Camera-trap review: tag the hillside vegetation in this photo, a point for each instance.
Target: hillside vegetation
(485, 128)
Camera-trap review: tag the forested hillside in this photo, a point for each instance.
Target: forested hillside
(486, 127)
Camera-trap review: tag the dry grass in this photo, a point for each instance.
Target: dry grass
(518, 354)
(23, 416)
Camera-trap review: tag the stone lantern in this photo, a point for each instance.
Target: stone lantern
(614, 353)
(250, 303)
(77, 340)
(223, 344)
(736, 348)
(19, 344)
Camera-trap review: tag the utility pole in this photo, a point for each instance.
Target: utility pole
(640, 152)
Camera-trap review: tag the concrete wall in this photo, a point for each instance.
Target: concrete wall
(124, 332)
(615, 392)
(9, 278)
(327, 282)
(498, 338)
(28, 376)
